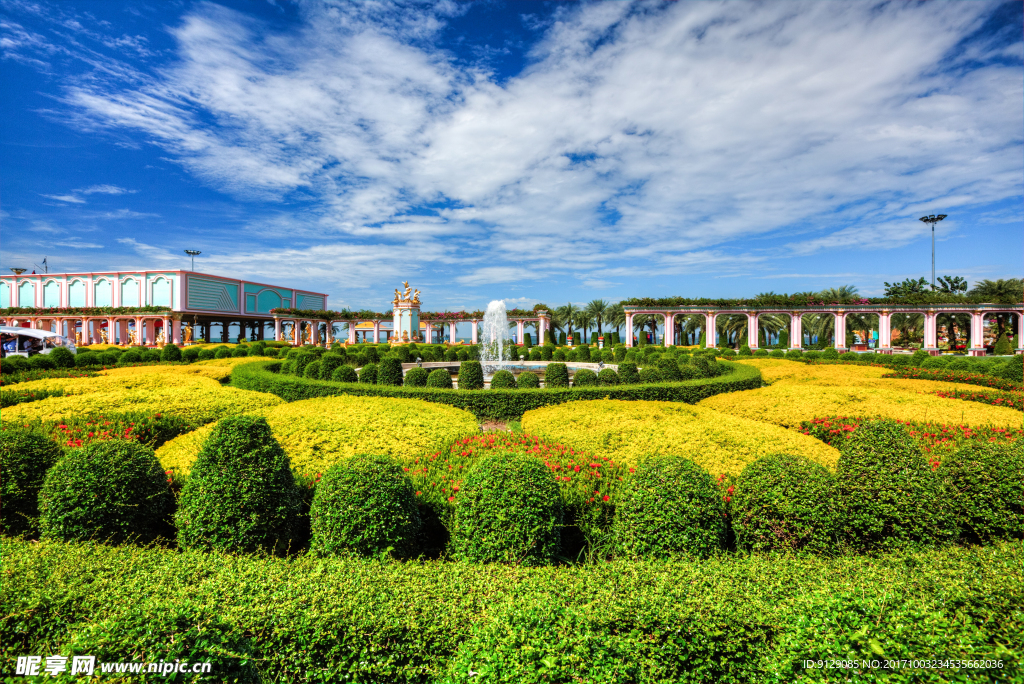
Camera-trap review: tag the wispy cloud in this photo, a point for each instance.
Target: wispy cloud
(72, 199)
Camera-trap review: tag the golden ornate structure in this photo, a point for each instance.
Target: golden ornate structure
(133, 337)
(104, 336)
(187, 335)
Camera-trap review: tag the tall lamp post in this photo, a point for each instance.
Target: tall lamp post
(933, 219)
(195, 252)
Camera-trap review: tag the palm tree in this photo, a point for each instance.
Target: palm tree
(1001, 291)
(596, 310)
(615, 315)
(732, 326)
(563, 317)
(910, 327)
(843, 294)
(689, 326)
(645, 321)
(583, 319)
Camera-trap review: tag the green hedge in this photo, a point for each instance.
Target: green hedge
(495, 404)
(748, 618)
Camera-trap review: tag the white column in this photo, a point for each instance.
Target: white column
(451, 332)
(542, 329)
(1020, 332)
(752, 330)
(376, 332)
(352, 332)
(931, 331)
(519, 332)
(885, 332)
(840, 332)
(476, 333)
(314, 335)
(175, 331)
(710, 329)
(629, 329)
(977, 334)
(796, 330)
(670, 329)
(277, 329)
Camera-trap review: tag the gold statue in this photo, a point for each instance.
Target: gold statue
(161, 339)
(408, 291)
(416, 297)
(187, 334)
(295, 332)
(305, 336)
(133, 337)
(103, 335)
(78, 338)
(398, 296)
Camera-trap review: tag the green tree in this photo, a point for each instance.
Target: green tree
(907, 287)
(596, 311)
(615, 315)
(1001, 291)
(951, 284)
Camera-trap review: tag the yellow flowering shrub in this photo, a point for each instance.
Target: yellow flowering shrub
(627, 431)
(316, 433)
(788, 404)
(193, 397)
(775, 371)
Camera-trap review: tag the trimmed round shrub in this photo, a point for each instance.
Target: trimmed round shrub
(572, 355)
(792, 354)
(240, 495)
(608, 355)
(463, 354)
(389, 371)
(934, 362)
(556, 375)
(114, 490)
(364, 506)
(528, 381)
(812, 355)
(368, 374)
(765, 352)
(110, 358)
(62, 358)
(607, 377)
(372, 354)
(745, 351)
(403, 353)
(25, 457)
(620, 352)
(170, 352)
(504, 379)
(189, 354)
(916, 359)
(41, 362)
(628, 374)
(17, 364)
(985, 489)
(86, 358)
(583, 353)
(688, 372)
(302, 359)
(222, 353)
(849, 356)
(584, 377)
(955, 365)
(471, 375)
(272, 352)
(312, 370)
(1014, 369)
(150, 355)
(702, 364)
(416, 377)
(670, 506)
(890, 496)
(344, 373)
(547, 353)
(509, 510)
(129, 357)
(451, 354)
(328, 364)
(669, 368)
(902, 361)
(559, 355)
(207, 354)
(439, 378)
(787, 503)
(239, 352)
(650, 376)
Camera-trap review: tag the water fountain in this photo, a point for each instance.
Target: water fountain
(496, 344)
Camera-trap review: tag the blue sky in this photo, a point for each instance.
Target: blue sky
(525, 151)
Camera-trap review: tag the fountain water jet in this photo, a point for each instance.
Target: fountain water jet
(496, 345)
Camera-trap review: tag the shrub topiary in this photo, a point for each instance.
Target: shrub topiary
(917, 358)
(471, 375)
(41, 362)
(556, 375)
(25, 457)
(572, 355)
(328, 364)
(368, 374)
(812, 355)
(620, 352)
(372, 354)
(344, 373)
(955, 365)
(703, 365)
(207, 354)
(312, 370)
(365, 506)
(170, 352)
(984, 484)
(583, 353)
(559, 355)
(503, 379)
(547, 353)
(849, 356)
(15, 364)
(745, 351)
(129, 357)
(62, 358)
(113, 490)
(451, 354)
(607, 377)
(189, 354)
(889, 495)
(1002, 346)
(934, 362)
(669, 369)
(688, 372)
(403, 354)
(150, 355)
(650, 375)
(463, 354)
(830, 354)
(1014, 369)
(628, 374)
(240, 495)
(901, 361)
(562, 339)
(762, 352)
(584, 377)
(528, 381)
(669, 506)
(509, 510)
(513, 352)
(239, 352)
(83, 359)
(439, 378)
(272, 352)
(389, 371)
(222, 353)
(416, 377)
(787, 503)
(792, 354)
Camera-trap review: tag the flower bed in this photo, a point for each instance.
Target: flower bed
(628, 431)
(148, 428)
(36, 375)
(962, 377)
(316, 433)
(12, 397)
(494, 404)
(1014, 400)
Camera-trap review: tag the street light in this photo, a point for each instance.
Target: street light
(933, 219)
(18, 271)
(195, 252)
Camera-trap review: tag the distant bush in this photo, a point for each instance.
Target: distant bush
(416, 377)
(222, 353)
(668, 367)
(584, 377)
(189, 354)
(792, 354)
(745, 351)
(583, 353)
(439, 378)
(471, 375)
(650, 375)
(547, 353)
(207, 354)
(559, 355)
(129, 357)
(389, 371)
(82, 359)
(366, 506)
(628, 374)
(528, 381)
(312, 370)
(766, 352)
(114, 490)
(171, 352)
(607, 376)
(368, 374)
(556, 375)
(984, 484)
(62, 358)
(344, 373)
(328, 364)
(503, 379)
(620, 352)
(670, 506)
(462, 355)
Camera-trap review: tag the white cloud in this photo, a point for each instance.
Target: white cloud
(104, 189)
(66, 198)
(669, 136)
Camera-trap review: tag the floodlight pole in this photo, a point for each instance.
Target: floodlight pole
(193, 253)
(933, 219)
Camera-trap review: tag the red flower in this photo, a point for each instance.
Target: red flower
(606, 498)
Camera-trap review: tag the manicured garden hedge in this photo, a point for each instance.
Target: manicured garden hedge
(495, 404)
(750, 618)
